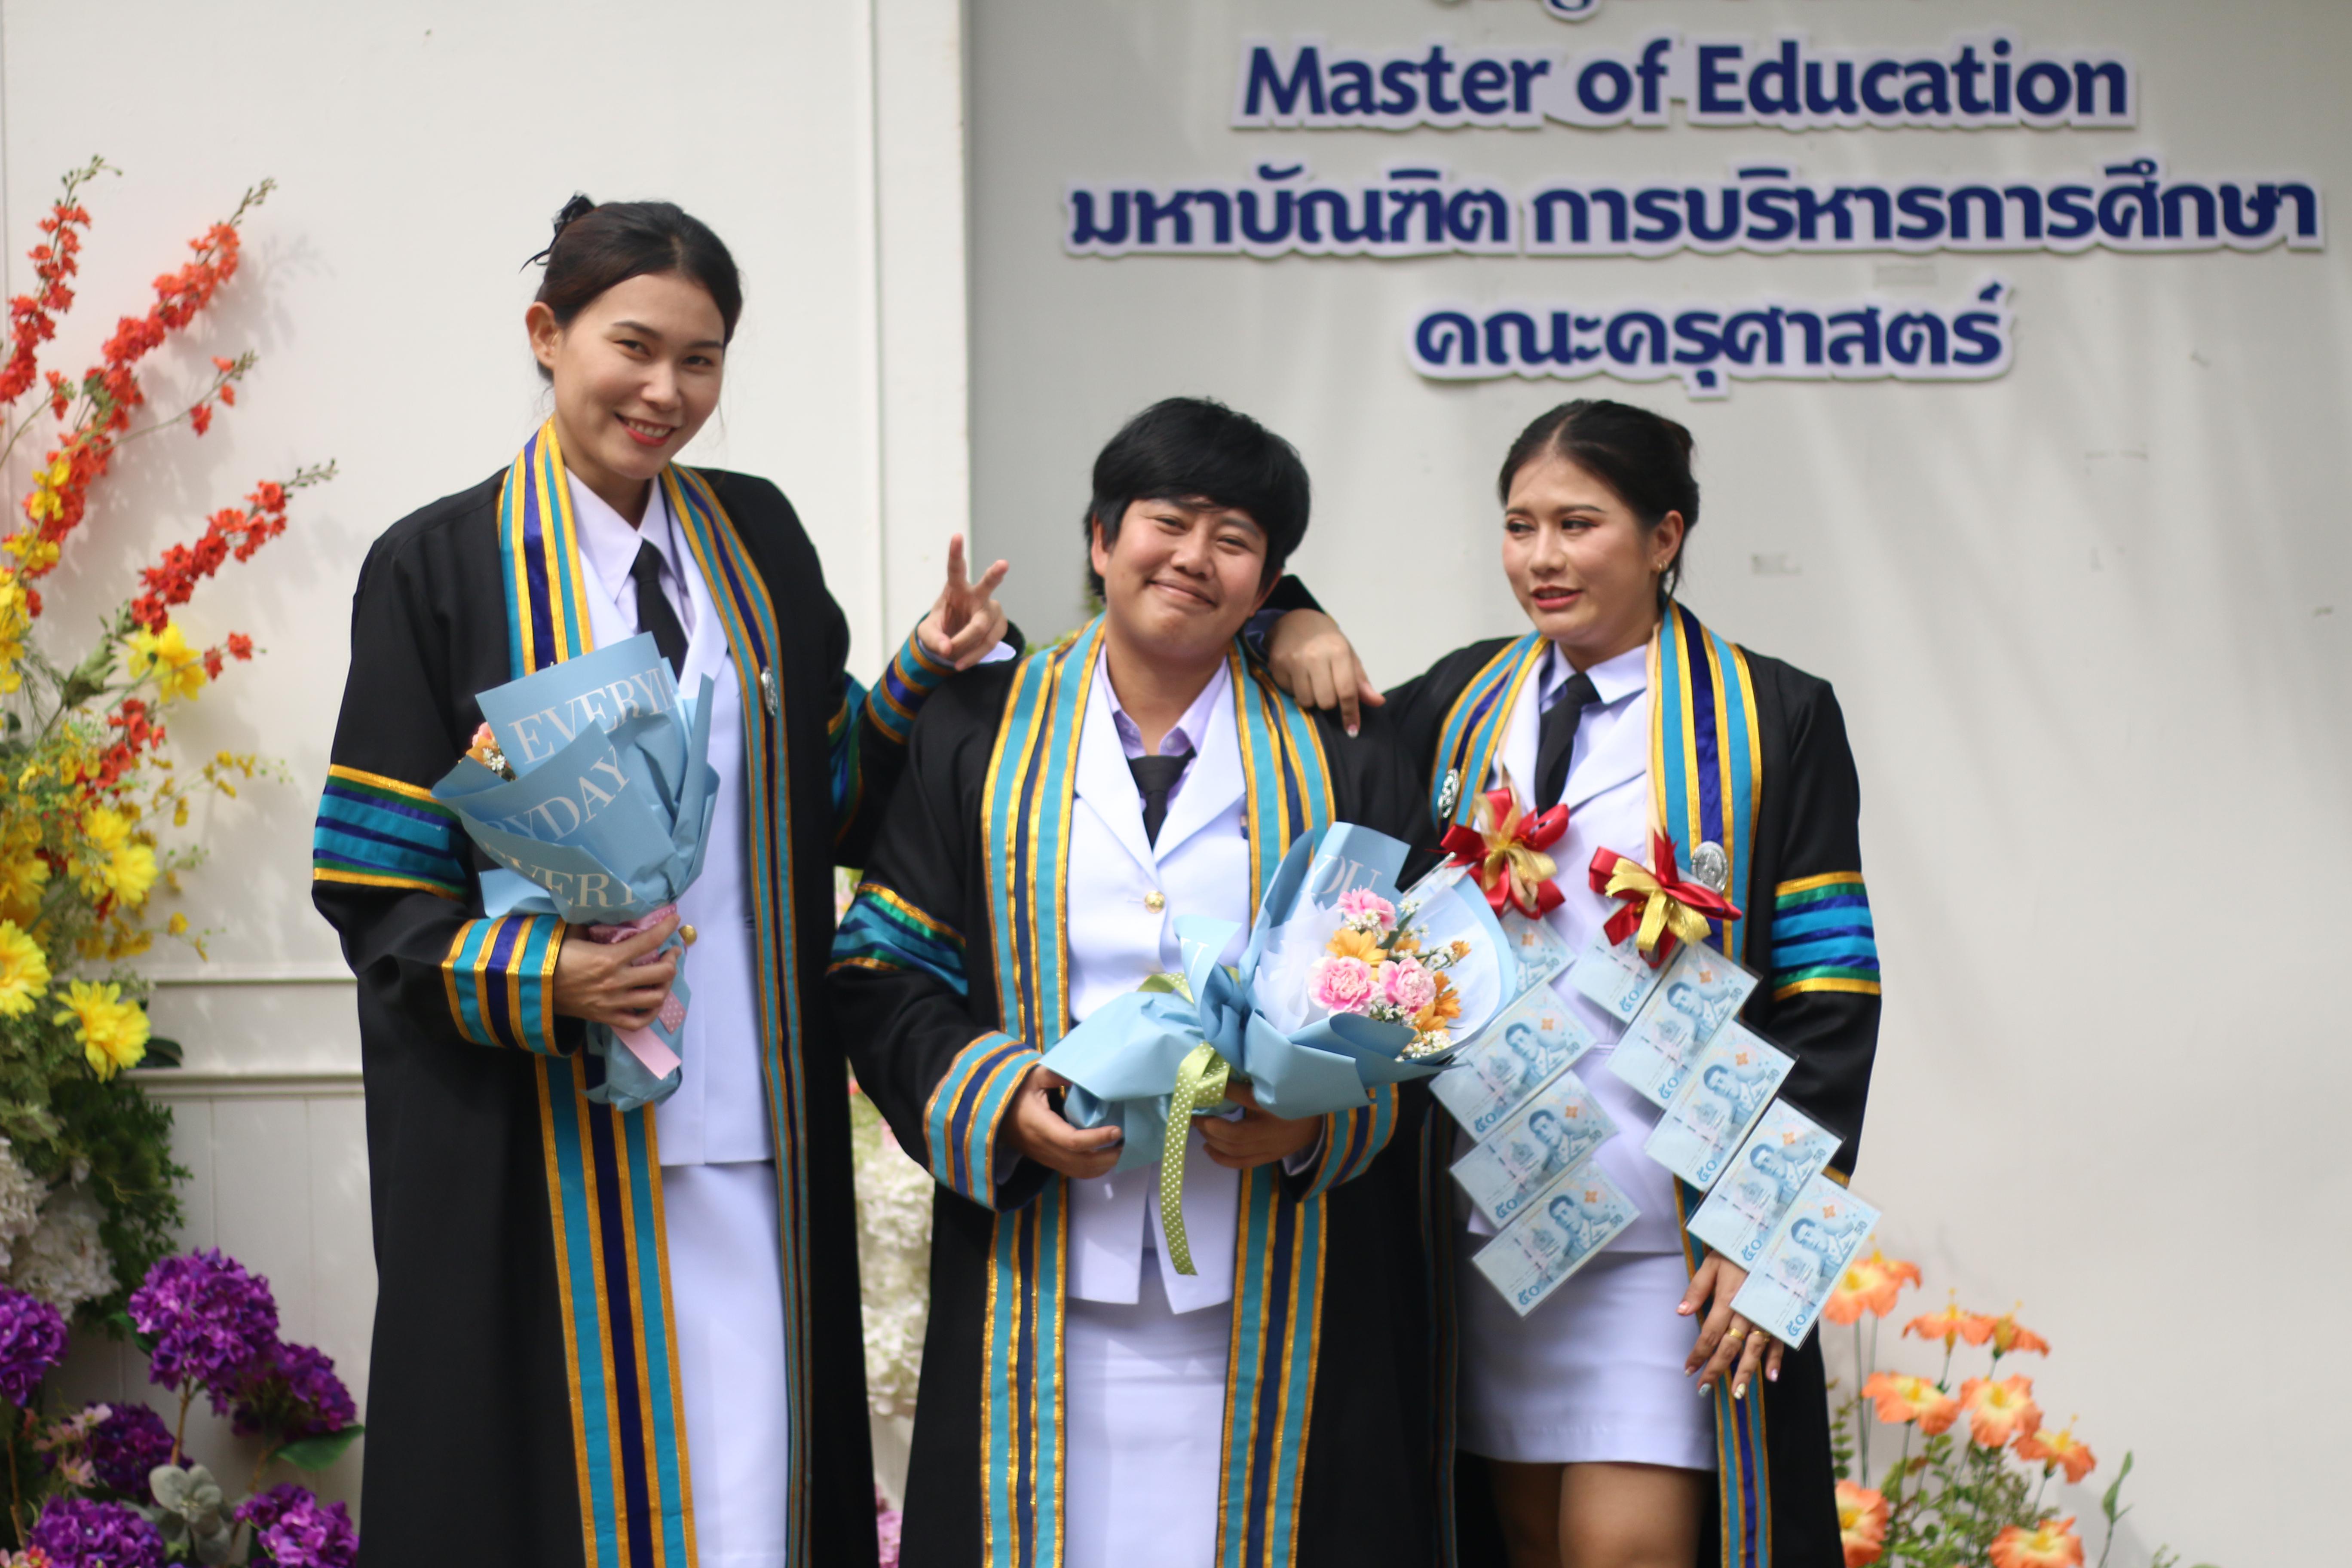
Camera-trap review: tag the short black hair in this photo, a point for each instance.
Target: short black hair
(1193, 449)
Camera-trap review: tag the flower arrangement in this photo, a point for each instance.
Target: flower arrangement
(107, 1486)
(1374, 966)
(87, 789)
(1974, 1491)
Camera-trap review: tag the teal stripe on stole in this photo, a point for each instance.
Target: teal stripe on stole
(470, 991)
(582, 1248)
(669, 1438)
(1738, 744)
(1474, 727)
(1674, 722)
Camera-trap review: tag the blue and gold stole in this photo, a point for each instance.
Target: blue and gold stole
(603, 1172)
(1277, 1284)
(1706, 781)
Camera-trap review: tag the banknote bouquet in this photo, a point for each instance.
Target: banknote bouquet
(1344, 984)
(590, 785)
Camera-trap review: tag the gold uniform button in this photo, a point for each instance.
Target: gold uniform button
(1155, 900)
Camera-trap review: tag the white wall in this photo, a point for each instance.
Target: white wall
(421, 149)
(2089, 625)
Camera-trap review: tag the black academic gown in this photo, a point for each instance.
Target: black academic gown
(1804, 848)
(503, 1429)
(922, 968)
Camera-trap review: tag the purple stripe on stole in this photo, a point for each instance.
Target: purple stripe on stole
(621, 1337)
(1699, 665)
(497, 982)
(535, 547)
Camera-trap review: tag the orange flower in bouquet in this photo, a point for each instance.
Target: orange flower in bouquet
(2052, 1543)
(1862, 1523)
(1869, 1284)
(2000, 1412)
(2057, 1451)
(1900, 1399)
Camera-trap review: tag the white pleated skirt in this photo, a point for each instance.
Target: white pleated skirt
(1594, 1375)
(726, 1276)
(1144, 1413)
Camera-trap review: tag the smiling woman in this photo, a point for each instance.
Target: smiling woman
(600, 1338)
(1579, 1438)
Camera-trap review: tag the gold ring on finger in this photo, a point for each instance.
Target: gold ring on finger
(1735, 1335)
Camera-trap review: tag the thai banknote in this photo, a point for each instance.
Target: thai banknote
(1553, 1133)
(1614, 976)
(1801, 1261)
(1537, 947)
(1526, 1045)
(1743, 1208)
(1730, 1082)
(1535, 1254)
(1696, 997)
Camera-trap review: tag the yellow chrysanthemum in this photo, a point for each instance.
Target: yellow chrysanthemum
(106, 828)
(178, 668)
(113, 1032)
(177, 925)
(23, 972)
(129, 872)
(22, 879)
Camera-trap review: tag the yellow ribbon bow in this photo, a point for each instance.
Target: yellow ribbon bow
(1659, 909)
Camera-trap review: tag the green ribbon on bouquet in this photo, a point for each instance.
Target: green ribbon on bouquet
(1201, 1079)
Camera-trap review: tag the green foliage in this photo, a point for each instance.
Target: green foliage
(123, 1139)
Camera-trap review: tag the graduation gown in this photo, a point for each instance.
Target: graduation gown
(1749, 754)
(950, 980)
(524, 1403)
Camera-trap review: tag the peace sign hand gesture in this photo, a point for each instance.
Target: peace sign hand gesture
(965, 621)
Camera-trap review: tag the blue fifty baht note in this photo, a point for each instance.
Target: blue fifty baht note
(1743, 1208)
(1801, 1262)
(1720, 1097)
(1534, 1255)
(1695, 998)
(1556, 1131)
(1527, 1044)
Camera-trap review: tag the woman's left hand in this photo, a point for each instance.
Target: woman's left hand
(1258, 1137)
(965, 621)
(1728, 1344)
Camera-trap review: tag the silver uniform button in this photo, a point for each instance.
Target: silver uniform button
(1711, 866)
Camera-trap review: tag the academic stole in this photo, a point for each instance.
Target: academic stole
(1707, 782)
(1277, 1284)
(604, 1171)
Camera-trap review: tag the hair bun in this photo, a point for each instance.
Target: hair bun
(579, 207)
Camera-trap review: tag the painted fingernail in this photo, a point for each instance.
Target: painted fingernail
(1772, 1375)
(1740, 1389)
(1352, 731)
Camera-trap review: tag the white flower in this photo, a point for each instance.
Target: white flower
(894, 1252)
(20, 1203)
(64, 1263)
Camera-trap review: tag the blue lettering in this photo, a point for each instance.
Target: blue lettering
(1306, 79)
(1714, 75)
(1484, 83)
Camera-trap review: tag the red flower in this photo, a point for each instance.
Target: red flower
(201, 417)
(223, 365)
(228, 395)
(240, 647)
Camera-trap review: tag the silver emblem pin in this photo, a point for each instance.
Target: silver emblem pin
(1711, 866)
(768, 693)
(1451, 793)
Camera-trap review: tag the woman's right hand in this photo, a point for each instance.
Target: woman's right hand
(596, 981)
(1040, 1131)
(1313, 660)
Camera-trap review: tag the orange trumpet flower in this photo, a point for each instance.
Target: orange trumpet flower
(2011, 1338)
(1862, 1524)
(2052, 1543)
(2058, 1451)
(1869, 1284)
(1951, 1325)
(2000, 1412)
(1899, 1399)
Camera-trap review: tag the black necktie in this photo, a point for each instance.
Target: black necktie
(654, 614)
(1556, 740)
(1155, 776)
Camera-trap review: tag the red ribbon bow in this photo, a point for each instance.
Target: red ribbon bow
(1661, 907)
(1504, 849)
